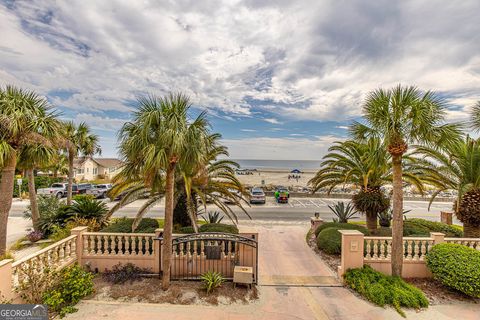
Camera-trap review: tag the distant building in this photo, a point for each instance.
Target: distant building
(88, 168)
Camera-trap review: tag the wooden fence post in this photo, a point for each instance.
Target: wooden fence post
(157, 251)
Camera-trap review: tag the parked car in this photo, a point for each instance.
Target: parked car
(236, 194)
(282, 195)
(99, 191)
(82, 188)
(257, 196)
(58, 190)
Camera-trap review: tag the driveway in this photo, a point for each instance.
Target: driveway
(294, 284)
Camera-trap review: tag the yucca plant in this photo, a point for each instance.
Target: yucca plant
(212, 280)
(88, 208)
(343, 212)
(213, 217)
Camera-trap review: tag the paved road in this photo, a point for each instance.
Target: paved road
(298, 209)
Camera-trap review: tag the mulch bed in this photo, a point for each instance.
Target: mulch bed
(149, 290)
(332, 261)
(437, 293)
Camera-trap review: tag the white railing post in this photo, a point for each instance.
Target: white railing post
(78, 231)
(6, 280)
(437, 237)
(352, 250)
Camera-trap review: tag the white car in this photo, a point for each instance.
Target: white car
(99, 190)
(58, 190)
(257, 196)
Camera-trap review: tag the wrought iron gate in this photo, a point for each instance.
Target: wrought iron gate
(197, 253)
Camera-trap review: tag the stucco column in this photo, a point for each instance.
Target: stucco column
(437, 237)
(352, 250)
(446, 217)
(78, 231)
(315, 223)
(6, 280)
(157, 251)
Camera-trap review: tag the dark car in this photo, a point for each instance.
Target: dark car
(81, 188)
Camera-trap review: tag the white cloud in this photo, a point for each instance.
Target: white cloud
(248, 130)
(342, 127)
(272, 120)
(280, 148)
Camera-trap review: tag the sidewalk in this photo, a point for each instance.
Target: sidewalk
(294, 284)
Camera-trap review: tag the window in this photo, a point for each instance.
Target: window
(80, 171)
(112, 169)
(95, 170)
(88, 169)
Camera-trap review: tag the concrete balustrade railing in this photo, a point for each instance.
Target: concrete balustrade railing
(100, 251)
(469, 242)
(359, 250)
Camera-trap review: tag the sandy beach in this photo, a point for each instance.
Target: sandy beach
(276, 177)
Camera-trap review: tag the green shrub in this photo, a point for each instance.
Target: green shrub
(385, 290)
(329, 240)
(456, 266)
(218, 227)
(124, 225)
(212, 280)
(52, 211)
(74, 284)
(339, 226)
(433, 226)
(87, 207)
(184, 230)
(411, 229)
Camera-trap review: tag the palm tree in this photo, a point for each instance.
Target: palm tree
(367, 167)
(159, 138)
(58, 164)
(475, 117)
(457, 167)
(78, 140)
(213, 181)
(400, 116)
(31, 157)
(25, 117)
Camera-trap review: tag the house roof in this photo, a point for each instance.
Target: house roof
(103, 162)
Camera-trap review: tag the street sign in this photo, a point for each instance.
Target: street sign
(19, 182)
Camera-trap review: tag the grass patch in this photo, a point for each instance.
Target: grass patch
(385, 290)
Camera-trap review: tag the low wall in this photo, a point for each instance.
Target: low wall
(359, 250)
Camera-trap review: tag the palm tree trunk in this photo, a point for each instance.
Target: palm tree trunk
(55, 173)
(33, 199)
(70, 177)
(397, 221)
(168, 226)
(6, 195)
(372, 220)
(471, 230)
(192, 214)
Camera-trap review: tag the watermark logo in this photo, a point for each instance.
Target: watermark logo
(23, 312)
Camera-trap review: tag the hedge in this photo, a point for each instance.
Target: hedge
(433, 226)
(456, 266)
(218, 227)
(329, 240)
(339, 226)
(124, 225)
(385, 290)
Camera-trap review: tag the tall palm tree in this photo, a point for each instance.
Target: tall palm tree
(212, 182)
(457, 167)
(58, 164)
(24, 117)
(366, 166)
(401, 116)
(475, 117)
(159, 138)
(78, 141)
(31, 157)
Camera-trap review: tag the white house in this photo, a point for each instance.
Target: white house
(88, 168)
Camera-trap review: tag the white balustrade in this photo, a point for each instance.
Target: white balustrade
(55, 256)
(118, 244)
(380, 248)
(473, 243)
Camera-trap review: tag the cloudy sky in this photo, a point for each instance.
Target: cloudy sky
(281, 79)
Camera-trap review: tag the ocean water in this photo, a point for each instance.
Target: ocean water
(279, 164)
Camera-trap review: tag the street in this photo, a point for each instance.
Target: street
(297, 209)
